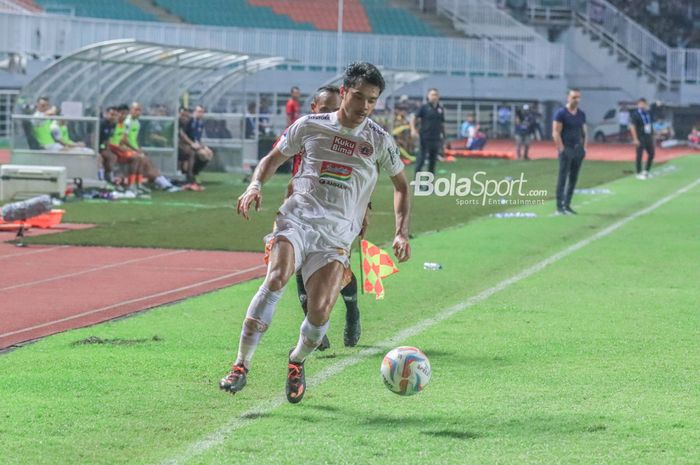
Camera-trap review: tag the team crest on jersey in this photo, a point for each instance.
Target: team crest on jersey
(365, 149)
(335, 172)
(344, 146)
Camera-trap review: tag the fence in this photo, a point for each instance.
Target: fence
(56, 35)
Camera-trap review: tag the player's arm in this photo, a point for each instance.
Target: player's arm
(402, 208)
(412, 121)
(264, 171)
(585, 136)
(556, 134)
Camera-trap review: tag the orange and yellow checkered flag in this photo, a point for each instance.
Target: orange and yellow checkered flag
(376, 265)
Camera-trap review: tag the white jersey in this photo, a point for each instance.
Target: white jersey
(338, 172)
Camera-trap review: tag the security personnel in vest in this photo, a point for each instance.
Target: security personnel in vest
(642, 129)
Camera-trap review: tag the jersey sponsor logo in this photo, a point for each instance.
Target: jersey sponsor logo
(394, 153)
(335, 171)
(344, 146)
(321, 116)
(376, 128)
(365, 149)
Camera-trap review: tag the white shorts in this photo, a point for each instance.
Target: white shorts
(312, 248)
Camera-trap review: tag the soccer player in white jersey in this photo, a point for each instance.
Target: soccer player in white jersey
(317, 224)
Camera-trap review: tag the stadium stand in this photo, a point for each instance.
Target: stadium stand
(20, 6)
(368, 16)
(108, 9)
(676, 22)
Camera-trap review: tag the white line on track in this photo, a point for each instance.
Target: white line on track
(34, 252)
(92, 270)
(139, 299)
(220, 435)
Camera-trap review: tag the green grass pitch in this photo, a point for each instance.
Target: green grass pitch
(595, 359)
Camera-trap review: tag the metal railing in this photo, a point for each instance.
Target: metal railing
(7, 103)
(669, 65)
(56, 35)
(483, 19)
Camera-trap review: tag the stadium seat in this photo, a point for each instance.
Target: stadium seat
(110, 9)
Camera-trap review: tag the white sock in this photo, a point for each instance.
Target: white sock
(258, 319)
(310, 337)
(162, 182)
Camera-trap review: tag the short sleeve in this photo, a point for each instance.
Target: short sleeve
(291, 142)
(420, 111)
(390, 157)
(559, 116)
(584, 117)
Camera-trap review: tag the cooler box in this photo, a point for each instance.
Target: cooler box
(19, 182)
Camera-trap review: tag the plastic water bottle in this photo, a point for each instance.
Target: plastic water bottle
(432, 266)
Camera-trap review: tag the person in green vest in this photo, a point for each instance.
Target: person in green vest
(130, 139)
(41, 127)
(125, 155)
(61, 137)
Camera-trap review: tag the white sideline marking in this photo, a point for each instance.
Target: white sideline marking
(90, 270)
(219, 436)
(139, 299)
(34, 252)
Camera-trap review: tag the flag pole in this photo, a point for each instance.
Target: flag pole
(362, 270)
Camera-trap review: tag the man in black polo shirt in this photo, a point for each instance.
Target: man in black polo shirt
(642, 130)
(570, 135)
(432, 130)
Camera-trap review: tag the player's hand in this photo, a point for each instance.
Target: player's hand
(402, 249)
(636, 142)
(250, 196)
(414, 133)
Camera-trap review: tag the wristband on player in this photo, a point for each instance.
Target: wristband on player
(257, 185)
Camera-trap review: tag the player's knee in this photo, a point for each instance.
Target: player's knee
(276, 280)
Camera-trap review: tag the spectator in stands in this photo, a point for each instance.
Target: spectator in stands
(694, 137)
(476, 140)
(108, 160)
(42, 127)
(431, 117)
(504, 116)
(293, 107)
(623, 119)
(642, 130)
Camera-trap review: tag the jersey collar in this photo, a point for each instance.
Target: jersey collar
(352, 132)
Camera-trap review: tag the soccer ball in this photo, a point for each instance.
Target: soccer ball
(406, 371)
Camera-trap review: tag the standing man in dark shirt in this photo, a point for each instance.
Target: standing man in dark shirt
(570, 135)
(642, 130)
(108, 159)
(432, 130)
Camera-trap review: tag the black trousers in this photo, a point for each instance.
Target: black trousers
(570, 161)
(429, 150)
(645, 143)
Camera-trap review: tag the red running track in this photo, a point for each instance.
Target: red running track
(48, 289)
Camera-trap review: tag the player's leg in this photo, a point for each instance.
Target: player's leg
(638, 161)
(432, 155)
(422, 155)
(352, 332)
(564, 166)
(301, 290)
(323, 287)
(260, 312)
(651, 151)
(575, 167)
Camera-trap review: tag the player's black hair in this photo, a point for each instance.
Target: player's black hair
(573, 89)
(123, 107)
(642, 99)
(365, 72)
(43, 97)
(294, 88)
(184, 108)
(322, 89)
